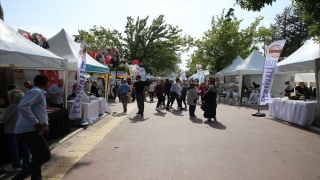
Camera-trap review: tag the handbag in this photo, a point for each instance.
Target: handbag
(117, 100)
(195, 101)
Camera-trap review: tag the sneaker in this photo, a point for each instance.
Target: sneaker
(138, 113)
(11, 169)
(141, 115)
(167, 109)
(193, 116)
(157, 109)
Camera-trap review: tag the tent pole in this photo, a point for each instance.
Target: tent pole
(317, 74)
(65, 77)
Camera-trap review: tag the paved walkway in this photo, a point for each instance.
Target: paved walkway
(169, 145)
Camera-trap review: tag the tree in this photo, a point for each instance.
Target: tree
(266, 36)
(100, 38)
(309, 11)
(290, 27)
(157, 46)
(221, 44)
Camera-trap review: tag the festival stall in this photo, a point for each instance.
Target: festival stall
(300, 112)
(63, 45)
(17, 52)
(250, 70)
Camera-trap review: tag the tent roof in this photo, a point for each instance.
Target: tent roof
(16, 51)
(301, 59)
(231, 67)
(253, 64)
(63, 45)
(305, 77)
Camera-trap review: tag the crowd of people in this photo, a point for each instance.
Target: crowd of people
(183, 92)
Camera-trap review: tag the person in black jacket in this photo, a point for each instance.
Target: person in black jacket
(95, 89)
(167, 86)
(210, 105)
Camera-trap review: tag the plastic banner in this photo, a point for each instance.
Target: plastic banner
(75, 111)
(270, 64)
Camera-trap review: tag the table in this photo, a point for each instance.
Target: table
(59, 124)
(294, 111)
(90, 111)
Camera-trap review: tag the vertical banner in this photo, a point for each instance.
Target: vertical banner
(71, 77)
(270, 64)
(200, 73)
(142, 73)
(75, 111)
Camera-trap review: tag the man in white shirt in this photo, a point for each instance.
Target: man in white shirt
(56, 92)
(31, 124)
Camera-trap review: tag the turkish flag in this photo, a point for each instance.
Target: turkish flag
(53, 76)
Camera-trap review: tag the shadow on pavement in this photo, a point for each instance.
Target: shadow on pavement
(160, 113)
(216, 125)
(136, 119)
(292, 125)
(177, 112)
(196, 120)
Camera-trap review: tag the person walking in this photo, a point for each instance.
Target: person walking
(210, 104)
(124, 92)
(56, 92)
(192, 100)
(32, 123)
(9, 119)
(175, 94)
(160, 91)
(140, 87)
(168, 86)
(151, 91)
(183, 96)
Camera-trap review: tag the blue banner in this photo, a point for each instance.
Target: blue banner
(75, 111)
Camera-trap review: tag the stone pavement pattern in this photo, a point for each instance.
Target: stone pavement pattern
(169, 145)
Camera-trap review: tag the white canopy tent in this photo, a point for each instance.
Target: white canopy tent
(302, 59)
(63, 45)
(253, 66)
(16, 51)
(305, 77)
(306, 58)
(230, 68)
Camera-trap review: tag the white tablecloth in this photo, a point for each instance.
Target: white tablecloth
(254, 98)
(294, 111)
(90, 111)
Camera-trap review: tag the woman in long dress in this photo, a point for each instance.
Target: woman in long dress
(210, 105)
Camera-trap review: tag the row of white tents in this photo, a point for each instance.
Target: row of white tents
(251, 69)
(303, 63)
(18, 52)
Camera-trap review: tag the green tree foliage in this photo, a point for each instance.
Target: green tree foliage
(308, 10)
(290, 26)
(100, 38)
(221, 44)
(265, 36)
(157, 46)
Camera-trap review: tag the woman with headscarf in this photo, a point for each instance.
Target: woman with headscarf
(210, 104)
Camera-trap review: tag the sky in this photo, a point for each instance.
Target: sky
(194, 17)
